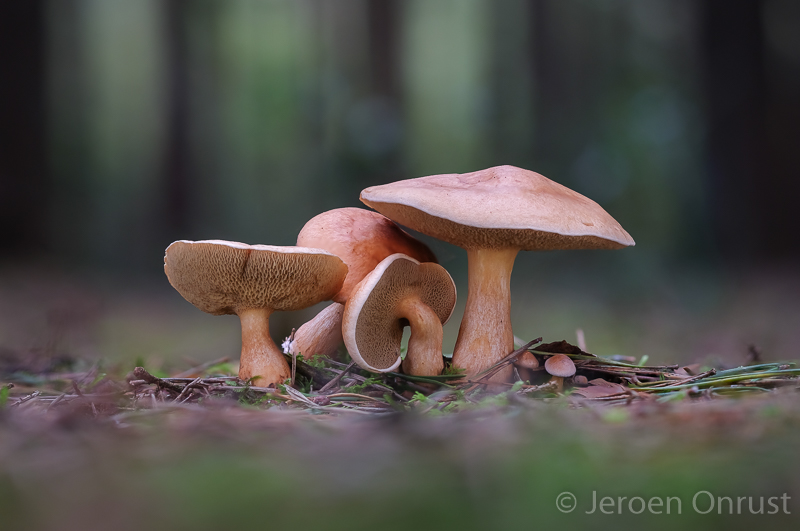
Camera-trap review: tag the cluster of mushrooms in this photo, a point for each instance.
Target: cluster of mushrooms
(381, 279)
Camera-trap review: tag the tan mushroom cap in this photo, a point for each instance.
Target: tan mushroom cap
(222, 277)
(361, 238)
(373, 324)
(527, 360)
(560, 365)
(500, 207)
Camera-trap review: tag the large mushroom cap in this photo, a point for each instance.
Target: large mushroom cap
(500, 207)
(222, 277)
(361, 238)
(373, 321)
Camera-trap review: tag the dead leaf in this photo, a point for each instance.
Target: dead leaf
(689, 370)
(599, 382)
(561, 347)
(597, 391)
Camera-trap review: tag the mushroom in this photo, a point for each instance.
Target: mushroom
(399, 292)
(321, 335)
(361, 238)
(580, 380)
(493, 214)
(252, 281)
(525, 364)
(559, 366)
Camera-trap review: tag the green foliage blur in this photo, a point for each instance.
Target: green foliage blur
(277, 110)
(139, 123)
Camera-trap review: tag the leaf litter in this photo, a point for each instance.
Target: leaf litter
(324, 386)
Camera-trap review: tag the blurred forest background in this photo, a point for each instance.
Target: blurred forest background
(127, 125)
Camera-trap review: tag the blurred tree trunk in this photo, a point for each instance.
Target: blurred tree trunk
(511, 82)
(782, 228)
(177, 164)
(752, 185)
(385, 74)
(735, 102)
(23, 168)
(568, 65)
(383, 20)
(549, 87)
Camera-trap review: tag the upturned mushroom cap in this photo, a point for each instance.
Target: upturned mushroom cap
(373, 318)
(560, 365)
(361, 238)
(500, 207)
(222, 277)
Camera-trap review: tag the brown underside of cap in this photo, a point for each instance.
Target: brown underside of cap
(226, 277)
(361, 238)
(501, 207)
(379, 326)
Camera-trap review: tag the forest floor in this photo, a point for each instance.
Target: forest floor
(86, 443)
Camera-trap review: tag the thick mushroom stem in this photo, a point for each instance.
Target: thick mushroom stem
(485, 336)
(424, 356)
(260, 356)
(321, 335)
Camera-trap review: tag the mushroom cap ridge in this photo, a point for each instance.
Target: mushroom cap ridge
(500, 207)
(222, 277)
(372, 327)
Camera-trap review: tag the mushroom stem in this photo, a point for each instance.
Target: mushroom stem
(321, 335)
(559, 381)
(424, 356)
(485, 336)
(260, 357)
